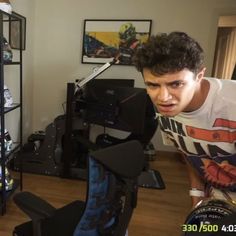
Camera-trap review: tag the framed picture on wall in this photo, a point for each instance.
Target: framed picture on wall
(104, 40)
(14, 31)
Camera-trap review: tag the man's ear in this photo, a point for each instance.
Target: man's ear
(200, 74)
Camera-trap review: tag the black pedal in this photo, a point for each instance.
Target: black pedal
(37, 136)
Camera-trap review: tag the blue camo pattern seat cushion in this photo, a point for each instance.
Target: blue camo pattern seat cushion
(97, 201)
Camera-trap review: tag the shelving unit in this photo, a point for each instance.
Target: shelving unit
(10, 117)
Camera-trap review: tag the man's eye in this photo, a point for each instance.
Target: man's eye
(177, 84)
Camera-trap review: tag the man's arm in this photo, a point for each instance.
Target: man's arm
(196, 181)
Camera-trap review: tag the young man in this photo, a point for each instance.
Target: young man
(196, 114)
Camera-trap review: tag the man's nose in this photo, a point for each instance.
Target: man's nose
(163, 94)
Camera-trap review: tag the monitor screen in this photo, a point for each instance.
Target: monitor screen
(111, 82)
(115, 107)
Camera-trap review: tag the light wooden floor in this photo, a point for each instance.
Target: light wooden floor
(159, 212)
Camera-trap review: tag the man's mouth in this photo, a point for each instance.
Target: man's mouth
(166, 107)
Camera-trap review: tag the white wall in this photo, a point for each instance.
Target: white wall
(55, 42)
(26, 8)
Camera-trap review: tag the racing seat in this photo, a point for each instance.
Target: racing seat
(111, 198)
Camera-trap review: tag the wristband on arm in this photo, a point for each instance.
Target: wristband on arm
(194, 192)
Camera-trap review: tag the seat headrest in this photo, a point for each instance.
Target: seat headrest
(126, 159)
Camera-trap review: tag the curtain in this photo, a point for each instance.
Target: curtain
(225, 54)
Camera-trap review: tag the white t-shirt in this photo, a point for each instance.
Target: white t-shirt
(208, 135)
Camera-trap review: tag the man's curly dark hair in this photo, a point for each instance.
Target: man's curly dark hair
(169, 53)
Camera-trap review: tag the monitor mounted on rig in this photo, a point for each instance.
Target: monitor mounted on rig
(115, 106)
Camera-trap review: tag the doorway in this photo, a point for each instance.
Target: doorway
(225, 51)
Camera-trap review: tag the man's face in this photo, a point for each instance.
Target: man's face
(175, 92)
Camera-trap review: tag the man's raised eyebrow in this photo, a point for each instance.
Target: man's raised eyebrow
(174, 82)
(151, 83)
(168, 83)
